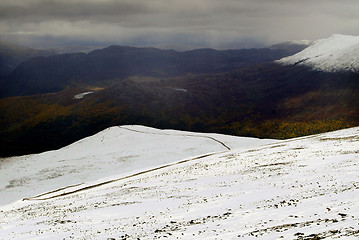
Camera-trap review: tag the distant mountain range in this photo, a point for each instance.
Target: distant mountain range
(55, 73)
(240, 92)
(12, 55)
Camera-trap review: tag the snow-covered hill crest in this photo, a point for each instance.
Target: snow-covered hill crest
(116, 150)
(334, 54)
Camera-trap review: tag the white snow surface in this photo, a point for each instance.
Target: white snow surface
(336, 53)
(81, 95)
(114, 151)
(303, 188)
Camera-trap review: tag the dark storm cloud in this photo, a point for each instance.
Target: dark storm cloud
(208, 22)
(68, 10)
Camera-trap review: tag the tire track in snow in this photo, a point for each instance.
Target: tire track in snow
(35, 198)
(57, 190)
(182, 135)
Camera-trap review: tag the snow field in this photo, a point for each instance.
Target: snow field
(296, 189)
(114, 151)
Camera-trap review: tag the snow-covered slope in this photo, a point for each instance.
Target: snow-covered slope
(336, 53)
(116, 150)
(305, 188)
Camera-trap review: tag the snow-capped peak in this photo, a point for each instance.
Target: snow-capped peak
(333, 54)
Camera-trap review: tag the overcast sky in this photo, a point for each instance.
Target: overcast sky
(206, 23)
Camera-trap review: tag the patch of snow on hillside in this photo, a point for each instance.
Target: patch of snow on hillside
(336, 53)
(304, 188)
(180, 89)
(81, 95)
(116, 150)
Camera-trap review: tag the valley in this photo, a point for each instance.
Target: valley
(241, 92)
